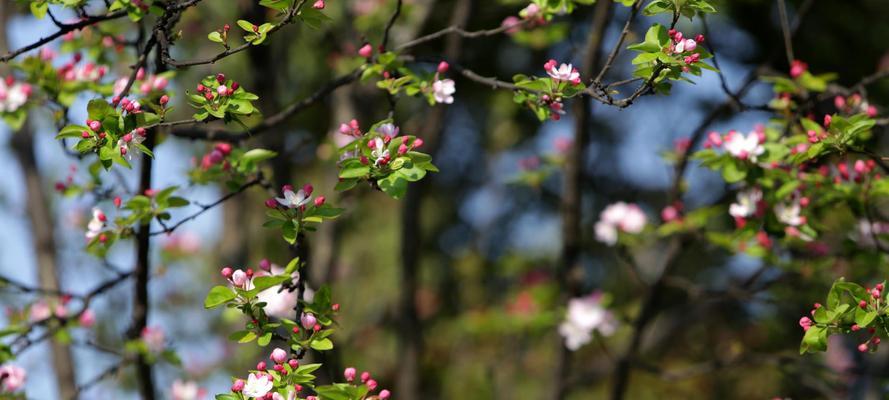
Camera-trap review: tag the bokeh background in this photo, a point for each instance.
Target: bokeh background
(485, 232)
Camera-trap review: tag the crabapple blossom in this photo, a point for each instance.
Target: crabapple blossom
(185, 390)
(617, 217)
(294, 200)
(585, 315)
(565, 72)
(443, 91)
(257, 385)
(789, 213)
(747, 203)
(388, 130)
(366, 51)
(13, 95)
(96, 224)
(239, 278)
(744, 147)
(87, 319)
(12, 378)
(805, 323)
(384, 394)
(379, 151)
(153, 338)
(797, 68)
(349, 374)
(39, 311)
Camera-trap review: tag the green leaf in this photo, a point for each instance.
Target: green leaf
(218, 296)
(265, 339)
(814, 340)
(247, 338)
(215, 37)
(257, 155)
(322, 345)
(72, 131)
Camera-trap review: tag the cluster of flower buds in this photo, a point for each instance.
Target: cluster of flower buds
(136, 136)
(217, 156)
(153, 83)
(239, 278)
(531, 16)
(555, 105)
(130, 106)
(854, 104)
(221, 91)
(351, 128)
(69, 180)
(681, 44)
(841, 172)
(350, 373)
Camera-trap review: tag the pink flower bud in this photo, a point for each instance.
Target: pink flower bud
(260, 366)
(287, 188)
(349, 373)
(278, 356)
(417, 143)
(220, 78)
(871, 111)
(226, 272)
(365, 376)
(95, 125)
(839, 102)
(319, 201)
(308, 189)
(85, 135)
(335, 307)
(371, 385)
(443, 67)
(222, 90)
(862, 347)
(308, 320)
(875, 340)
(293, 363)
(238, 386)
(87, 318)
(366, 51)
(265, 264)
(862, 304)
(319, 5)
(164, 100)
(384, 394)
(239, 278)
(879, 287)
(827, 119)
(699, 38)
(123, 151)
(271, 203)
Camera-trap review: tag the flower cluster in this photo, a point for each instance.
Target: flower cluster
(685, 47)
(854, 104)
(221, 98)
(584, 316)
(740, 146)
(443, 89)
(619, 217)
(13, 95)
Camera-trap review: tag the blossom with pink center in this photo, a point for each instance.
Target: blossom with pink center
(185, 390)
(13, 95)
(12, 378)
(789, 213)
(257, 385)
(279, 303)
(747, 147)
(154, 339)
(619, 217)
(564, 72)
(294, 200)
(585, 315)
(747, 203)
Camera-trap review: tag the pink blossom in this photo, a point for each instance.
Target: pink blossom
(153, 338)
(278, 355)
(805, 323)
(12, 378)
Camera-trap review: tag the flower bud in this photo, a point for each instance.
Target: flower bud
(319, 5)
(278, 356)
(443, 67)
(95, 125)
(862, 304)
(862, 347)
(417, 143)
(293, 363)
(226, 272)
(85, 135)
(365, 376)
(319, 201)
(238, 386)
(220, 78)
(265, 264)
(384, 394)
(260, 366)
(308, 320)
(164, 100)
(308, 189)
(349, 374)
(827, 119)
(271, 203)
(699, 38)
(239, 278)
(335, 307)
(366, 51)
(371, 385)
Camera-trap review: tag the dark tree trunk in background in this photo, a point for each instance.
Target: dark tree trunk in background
(569, 271)
(42, 231)
(410, 327)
